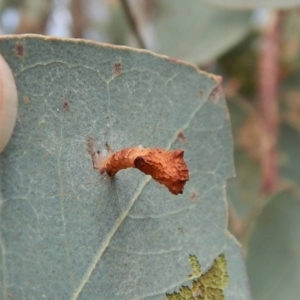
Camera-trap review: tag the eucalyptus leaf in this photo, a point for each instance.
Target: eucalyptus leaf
(273, 261)
(68, 232)
(203, 31)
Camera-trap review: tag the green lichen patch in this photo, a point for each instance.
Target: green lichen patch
(208, 286)
(196, 269)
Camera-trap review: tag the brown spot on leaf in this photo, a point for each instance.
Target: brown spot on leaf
(193, 196)
(117, 69)
(216, 93)
(181, 231)
(181, 137)
(200, 93)
(47, 153)
(19, 50)
(173, 59)
(66, 106)
(26, 100)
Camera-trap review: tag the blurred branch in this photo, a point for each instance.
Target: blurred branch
(132, 23)
(268, 94)
(34, 16)
(79, 20)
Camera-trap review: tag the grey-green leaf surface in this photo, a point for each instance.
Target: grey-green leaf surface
(68, 232)
(250, 4)
(203, 31)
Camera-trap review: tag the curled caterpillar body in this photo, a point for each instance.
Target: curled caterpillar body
(165, 166)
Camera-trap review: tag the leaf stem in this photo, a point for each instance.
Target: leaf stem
(79, 20)
(268, 80)
(132, 23)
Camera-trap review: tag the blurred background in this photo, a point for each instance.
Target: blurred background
(255, 46)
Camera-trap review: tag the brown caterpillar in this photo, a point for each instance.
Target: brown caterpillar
(165, 166)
